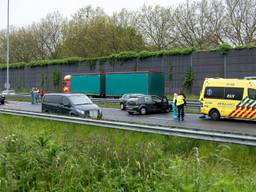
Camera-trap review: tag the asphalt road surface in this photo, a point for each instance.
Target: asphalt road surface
(192, 121)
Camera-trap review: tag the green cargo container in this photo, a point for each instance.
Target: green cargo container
(90, 84)
(148, 83)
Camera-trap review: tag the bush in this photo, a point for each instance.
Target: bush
(188, 80)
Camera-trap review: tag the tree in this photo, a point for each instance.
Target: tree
(48, 34)
(241, 21)
(193, 25)
(156, 23)
(98, 35)
(22, 45)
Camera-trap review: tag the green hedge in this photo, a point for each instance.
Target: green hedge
(123, 56)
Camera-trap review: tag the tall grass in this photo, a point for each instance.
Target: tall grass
(37, 155)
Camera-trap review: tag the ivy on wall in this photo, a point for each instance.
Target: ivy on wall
(123, 56)
(188, 80)
(56, 80)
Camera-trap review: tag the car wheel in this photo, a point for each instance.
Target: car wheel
(121, 106)
(2, 102)
(214, 114)
(130, 113)
(143, 111)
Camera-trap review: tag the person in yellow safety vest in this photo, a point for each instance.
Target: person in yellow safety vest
(180, 103)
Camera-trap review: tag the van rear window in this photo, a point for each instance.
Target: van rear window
(224, 93)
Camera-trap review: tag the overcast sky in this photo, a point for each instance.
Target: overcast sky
(25, 12)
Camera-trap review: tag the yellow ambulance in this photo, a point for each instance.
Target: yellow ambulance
(229, 98)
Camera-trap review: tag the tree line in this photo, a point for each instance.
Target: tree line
(90, 32)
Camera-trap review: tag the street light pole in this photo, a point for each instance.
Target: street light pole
(7, 49)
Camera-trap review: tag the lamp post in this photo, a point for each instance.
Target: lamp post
(7, 48)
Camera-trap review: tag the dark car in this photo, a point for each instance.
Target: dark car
(78, 105)
(125, 97)
(148, 104)
(2, 99)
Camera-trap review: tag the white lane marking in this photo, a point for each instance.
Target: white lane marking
(159, 118)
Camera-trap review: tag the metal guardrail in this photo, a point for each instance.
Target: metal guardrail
(171, 131)
(191, 103)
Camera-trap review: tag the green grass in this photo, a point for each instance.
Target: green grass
(21, 99)
(188, 96)
(108, 105)
(40, 155)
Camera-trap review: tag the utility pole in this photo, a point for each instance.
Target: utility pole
(7, 48)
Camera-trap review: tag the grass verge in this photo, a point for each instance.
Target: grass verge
(40, 155)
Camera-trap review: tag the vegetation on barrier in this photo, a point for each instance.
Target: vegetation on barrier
(39, 155)
(188, 80)
(123, 56)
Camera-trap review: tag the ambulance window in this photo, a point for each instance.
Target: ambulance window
(234, 93)
(252, 93)
(214, 92)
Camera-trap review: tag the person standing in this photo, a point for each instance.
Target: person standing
(174, 107)
(33, 95)
(36, 95)
(180, 103)
(41, 93)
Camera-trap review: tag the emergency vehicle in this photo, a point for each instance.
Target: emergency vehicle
(229, 98)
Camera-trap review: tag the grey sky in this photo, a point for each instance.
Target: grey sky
(25, 12)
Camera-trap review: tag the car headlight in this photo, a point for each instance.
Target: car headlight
(80, 111)
(93, 113)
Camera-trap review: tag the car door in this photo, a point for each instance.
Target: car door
(50, 104)
(158, 104)
(58, 104)
(165, 104)
(150, 104)
(65, 107)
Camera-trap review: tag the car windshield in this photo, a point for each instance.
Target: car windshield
(80, 100)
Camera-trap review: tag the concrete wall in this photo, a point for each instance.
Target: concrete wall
(235, 64)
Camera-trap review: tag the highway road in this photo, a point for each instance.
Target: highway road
(192, 121)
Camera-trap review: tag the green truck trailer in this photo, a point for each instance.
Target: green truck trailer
(145, 82)
(116, 84)
(89, 83)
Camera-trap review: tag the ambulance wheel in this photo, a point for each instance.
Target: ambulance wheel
(214, 114)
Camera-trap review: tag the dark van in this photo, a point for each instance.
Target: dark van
(78, 105)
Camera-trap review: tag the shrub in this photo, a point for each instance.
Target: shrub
(188, 80)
